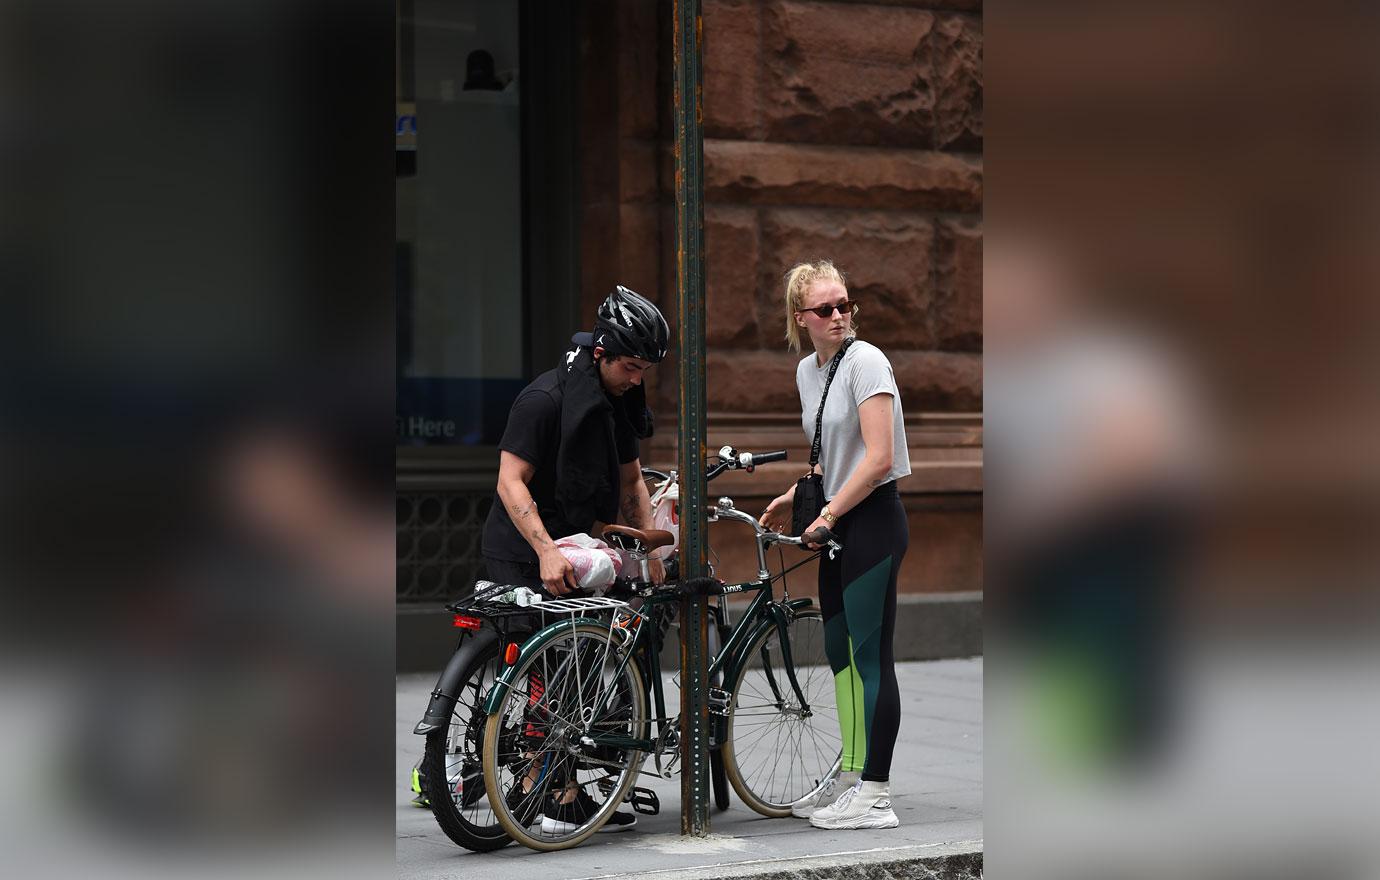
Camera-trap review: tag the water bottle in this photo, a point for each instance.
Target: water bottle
(520, 596)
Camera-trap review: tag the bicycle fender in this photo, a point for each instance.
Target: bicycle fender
(443, 696)
(800, 604)
(778, 617)
(494, 700)
(731, 669)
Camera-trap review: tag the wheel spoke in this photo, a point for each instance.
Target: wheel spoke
(778, 754)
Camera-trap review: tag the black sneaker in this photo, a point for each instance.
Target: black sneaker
(568, 818)
(523, 805)
(470, 786)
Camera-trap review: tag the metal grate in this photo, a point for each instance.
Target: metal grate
(438, 555)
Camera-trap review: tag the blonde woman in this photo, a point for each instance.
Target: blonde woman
(862, 454)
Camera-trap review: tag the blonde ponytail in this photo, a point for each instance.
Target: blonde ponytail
(798, 280)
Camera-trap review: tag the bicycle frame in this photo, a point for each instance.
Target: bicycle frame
(762, 613)
(645, 649)
(646, 643)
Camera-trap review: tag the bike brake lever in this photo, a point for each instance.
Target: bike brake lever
(824, 536)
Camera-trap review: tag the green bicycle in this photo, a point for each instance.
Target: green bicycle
(570, 723)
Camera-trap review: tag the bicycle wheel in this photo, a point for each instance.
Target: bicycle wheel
(718, 778)
(451, 765)
(774, 753)
(532, 747)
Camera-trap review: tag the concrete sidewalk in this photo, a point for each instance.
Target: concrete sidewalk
(936, 786)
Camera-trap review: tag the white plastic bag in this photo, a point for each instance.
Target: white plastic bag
(666, 515)
(596, 564)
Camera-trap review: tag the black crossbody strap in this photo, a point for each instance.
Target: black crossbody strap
(819, 416)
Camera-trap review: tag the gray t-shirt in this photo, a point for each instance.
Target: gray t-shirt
(863, 372)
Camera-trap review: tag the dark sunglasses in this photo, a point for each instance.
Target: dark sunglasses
(843, 308)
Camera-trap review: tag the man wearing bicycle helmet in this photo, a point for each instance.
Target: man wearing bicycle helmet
(568, 459)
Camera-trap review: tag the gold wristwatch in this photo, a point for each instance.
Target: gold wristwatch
(827, 516)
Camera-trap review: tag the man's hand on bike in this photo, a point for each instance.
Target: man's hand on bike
(777, 516)
(557, 574)
(657, 570)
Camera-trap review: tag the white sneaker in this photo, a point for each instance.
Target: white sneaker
(840, 803)
(865, 805)
(824, 794)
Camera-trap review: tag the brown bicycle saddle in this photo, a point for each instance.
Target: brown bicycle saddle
(651, 538)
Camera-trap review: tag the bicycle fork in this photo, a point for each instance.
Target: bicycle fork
(720, 699)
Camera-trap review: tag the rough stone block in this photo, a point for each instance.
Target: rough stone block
(752, 381)
(954, 53)
(886, 257)
(764, 381)
(731, 276)
(732, 68)
(938, 381)
(847, 74)
(845, 177)
(956, 311)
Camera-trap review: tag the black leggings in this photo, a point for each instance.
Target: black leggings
(857, 594)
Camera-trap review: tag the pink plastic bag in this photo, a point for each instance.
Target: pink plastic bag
(596, 564)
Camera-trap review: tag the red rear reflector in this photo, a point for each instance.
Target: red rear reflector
(510, 653)
(464, 621)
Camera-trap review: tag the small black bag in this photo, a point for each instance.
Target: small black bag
(809, 489)
(809, 501)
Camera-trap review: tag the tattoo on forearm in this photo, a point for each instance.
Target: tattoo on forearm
(872, 484)
(632, 511)
(520, 512)
(539, 538)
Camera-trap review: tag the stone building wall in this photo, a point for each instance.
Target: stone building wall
(845, 130)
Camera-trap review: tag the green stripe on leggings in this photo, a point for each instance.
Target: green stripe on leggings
(864, 600)
(848, 694)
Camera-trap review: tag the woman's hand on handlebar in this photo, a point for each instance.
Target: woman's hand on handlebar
(777, 516)
(816, 533)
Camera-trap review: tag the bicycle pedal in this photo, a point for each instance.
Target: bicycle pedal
(719, 701)
(644, 801)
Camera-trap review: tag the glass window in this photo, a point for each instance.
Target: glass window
(460, 304)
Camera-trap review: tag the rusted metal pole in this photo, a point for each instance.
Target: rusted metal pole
(694, 527)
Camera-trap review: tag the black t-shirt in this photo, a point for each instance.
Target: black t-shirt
(534, 435)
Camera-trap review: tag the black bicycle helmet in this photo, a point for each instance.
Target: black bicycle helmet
(628, 323)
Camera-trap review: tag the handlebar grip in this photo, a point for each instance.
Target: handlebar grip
(821, 535)
(765, 457)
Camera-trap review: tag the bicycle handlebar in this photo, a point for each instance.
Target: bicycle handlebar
(731, 459)
(725, 510)
(751, 460)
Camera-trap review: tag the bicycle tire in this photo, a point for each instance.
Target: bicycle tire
(718, 778)
(508, 753)
(753, 750)
(455, 748)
